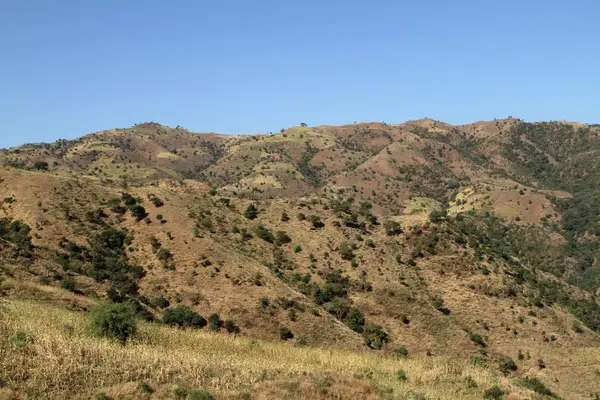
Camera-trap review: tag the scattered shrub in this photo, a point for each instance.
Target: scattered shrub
(115, 321)
(537, 386)
(251, 212)
(183, 317)
(400, 351)
(285, 334)
(68, 284)
(507, 365)
(262, 232)
(401, 375)
(477, 339)
(494, 393)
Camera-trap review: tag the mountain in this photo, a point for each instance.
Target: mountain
(448, 243)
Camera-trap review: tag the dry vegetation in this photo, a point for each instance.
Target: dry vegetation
(49, 352)
(470, 251)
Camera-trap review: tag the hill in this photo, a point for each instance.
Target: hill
(459, 244)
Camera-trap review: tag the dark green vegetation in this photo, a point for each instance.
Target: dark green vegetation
(116, 320)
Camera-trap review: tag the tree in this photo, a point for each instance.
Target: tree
(285, 334)
(41, 165)
(183, 317)
(214, 322)
(264, 233)
(375, 336)
(231, 327)
(115, 321)
(138, 212)
(251, 212)
(392, 228)
(315, 220)
(437, 216)
(282, 238)
(346, 251)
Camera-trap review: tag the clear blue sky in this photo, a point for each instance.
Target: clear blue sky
(70, 67)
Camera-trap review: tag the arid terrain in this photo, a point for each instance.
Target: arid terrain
(420, 260)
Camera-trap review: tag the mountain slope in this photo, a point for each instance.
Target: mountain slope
(449, 241)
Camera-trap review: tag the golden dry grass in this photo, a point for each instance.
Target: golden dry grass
(49, 352)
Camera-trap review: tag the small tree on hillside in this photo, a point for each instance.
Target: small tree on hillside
(251, 212)
(115, 321)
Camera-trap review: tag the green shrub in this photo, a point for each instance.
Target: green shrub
(41, 165)
(68, 284)
(262, 232)
(437, 216)
(285, 334)
(198, 394)
(375, 336)
(477, 339)
(400, 351)
(346, 251)
(316, 221)
(183, 317)
(537, 386)
(494, 393)
(156, 201)
(282, 238)
(401, 375)
(231, 327)
(392, 228)
(214, 322)
(507, 365)
(115, 321)
(251, 212)
(297, 248)
(138, 212)
(164, 254)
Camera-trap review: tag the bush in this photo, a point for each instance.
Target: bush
(68, 284)
(41, 165)
(138, 212)
(156, 201)
(401, 375)
(346, 251)
(231, 327)
(392, 228)
(264, 233)
(507, 365)
(285, 334)
(537, 386)
(494, 393)
(251, 212)
(183, 317)
(161, 302)
(282, 238)
(316, 222)
(297, 248)
(115, 321)
(375, 336)
(198, 394)
(164, 254)
(477, 339)
(400, 351)
(214, 322)
(437, 216)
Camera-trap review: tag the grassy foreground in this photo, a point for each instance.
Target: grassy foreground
(48, 352)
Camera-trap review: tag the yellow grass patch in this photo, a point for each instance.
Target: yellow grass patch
(48, 352)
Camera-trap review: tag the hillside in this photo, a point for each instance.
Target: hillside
(461, 245)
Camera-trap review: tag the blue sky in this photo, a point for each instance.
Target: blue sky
(70, 67)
